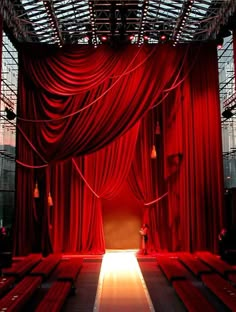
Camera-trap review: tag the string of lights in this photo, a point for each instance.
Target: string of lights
(53, 22)
(187, 7)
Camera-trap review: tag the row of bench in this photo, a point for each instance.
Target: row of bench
(59, 291)
(204, 266)
(38, 271)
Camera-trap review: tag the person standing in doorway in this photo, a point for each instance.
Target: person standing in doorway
(144, 234)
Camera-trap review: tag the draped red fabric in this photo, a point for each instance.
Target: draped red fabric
(118, 85)
(104, 172)
(193, 156)
(72, 227)
(107, 169)
(77, 100)
(143, 175)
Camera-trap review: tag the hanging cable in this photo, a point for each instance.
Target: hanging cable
(156, 200)
(83, 178)
(93, 102)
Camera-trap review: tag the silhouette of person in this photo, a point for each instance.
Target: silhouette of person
(144, 234)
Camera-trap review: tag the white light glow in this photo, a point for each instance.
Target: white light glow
(121, 284)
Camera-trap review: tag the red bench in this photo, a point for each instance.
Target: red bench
(55, 297)
(222, 289)
(19, 269)
(192, 297)
(69, 269)
(172, 268)
(67, 272)
(194, 264)
(216, 263)
(5, 284)
(232, 278)
(45, 267)
(20, 294)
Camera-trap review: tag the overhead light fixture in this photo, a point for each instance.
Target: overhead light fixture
(227, 113)
(53, 22)
(103, 38)
(10, 114)
(143, 22)
(163, 33)
(93, 27)
(187, 7)
(163, 38)
(219, 42)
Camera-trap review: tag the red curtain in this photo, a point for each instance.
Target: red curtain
(193, 156)
(77, 100)
(114, 88)
(143, 176)
(74, 228)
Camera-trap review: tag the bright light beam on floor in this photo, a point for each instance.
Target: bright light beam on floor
(121, 286)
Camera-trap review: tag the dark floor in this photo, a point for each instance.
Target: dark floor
(86, 287)
(162, 294)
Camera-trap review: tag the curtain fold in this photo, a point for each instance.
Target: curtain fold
(85, 103)
(193, 157)
(120, 92)
(75, 228)
(143, 175)
(93, 96)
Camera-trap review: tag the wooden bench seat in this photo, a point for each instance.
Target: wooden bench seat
(46, 266)
(216, 263)
(194, 264)
(172, 268)
(20, 294)
(192, 297)
(6, 283)
(69, 269)
(222, 289)
(55, 297)
(232, 278)
(19, 269)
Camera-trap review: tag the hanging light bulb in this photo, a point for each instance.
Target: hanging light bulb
(153, 153)
(36, 190)
(50, 202)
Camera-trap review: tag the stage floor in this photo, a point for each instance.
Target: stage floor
(114, 282)
(121, 284)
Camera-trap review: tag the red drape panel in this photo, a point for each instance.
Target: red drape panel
(76, 218)
(73, 227)
(122, 84)
(143, 175)
(193, 156)
(53, 83)
(107, 169)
